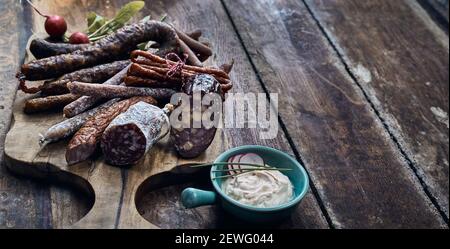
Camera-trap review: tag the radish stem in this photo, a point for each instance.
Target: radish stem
(36, 9)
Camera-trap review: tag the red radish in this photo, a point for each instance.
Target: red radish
(78, 38)
(230, 166)
(230, 160)
(251, 158)
(236, 168)
(55, 25)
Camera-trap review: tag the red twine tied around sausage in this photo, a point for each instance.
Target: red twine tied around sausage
(176, 68)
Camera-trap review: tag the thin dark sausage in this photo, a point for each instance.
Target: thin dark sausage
(97, 74)
(134, 81)
(85, 102)
(69, 126)
(195, 34)
(41, 48)
(111, 91)
(193, 44)
(48, 103)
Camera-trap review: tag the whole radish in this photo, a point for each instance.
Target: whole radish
(78, 38)
(55, 25)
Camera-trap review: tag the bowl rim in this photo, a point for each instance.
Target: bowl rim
(286, 205)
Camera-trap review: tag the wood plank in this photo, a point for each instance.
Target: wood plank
(10, 12)
(115, 188)
(29, 203)
(210, 17)
(362, 179)
(25, 203)
(402, 63)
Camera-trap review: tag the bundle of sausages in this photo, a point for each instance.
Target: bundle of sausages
(129, 122)
(150, 70)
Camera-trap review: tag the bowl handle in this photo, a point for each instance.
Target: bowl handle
(192, 198)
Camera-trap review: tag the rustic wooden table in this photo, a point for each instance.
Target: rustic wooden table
(364, 101)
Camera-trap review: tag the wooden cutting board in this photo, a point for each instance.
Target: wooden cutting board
(114, 204)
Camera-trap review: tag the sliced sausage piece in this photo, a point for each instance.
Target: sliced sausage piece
(131, 134)
(84, 143)
(191, 142)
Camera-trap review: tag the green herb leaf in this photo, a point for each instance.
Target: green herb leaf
(142, 46)
(91, 18)
(95, 22)
(122, 17)
(127, 12)
(163, 18)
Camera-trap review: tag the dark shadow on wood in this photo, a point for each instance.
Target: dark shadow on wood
(436, 13)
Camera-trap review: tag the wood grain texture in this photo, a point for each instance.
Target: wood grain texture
(402, 63)
(362, 179)
(25, 203)
(115, 188)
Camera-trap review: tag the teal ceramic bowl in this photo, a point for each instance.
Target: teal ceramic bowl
(192, 197)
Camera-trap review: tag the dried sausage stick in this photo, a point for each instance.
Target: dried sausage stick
(110, 92)
(164, 70)
(41, 48)
(79, 106)
(84, 143)
(192, 58)
(195, 34)
(137, 70)
(134, 81)
(97, 74)
(155, 58)
(196, 46)
(48, 103)
(227, 67)
(69, 126)
(84, 103)
(160, 74)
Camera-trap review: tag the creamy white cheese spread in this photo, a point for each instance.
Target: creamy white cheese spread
(261, 188)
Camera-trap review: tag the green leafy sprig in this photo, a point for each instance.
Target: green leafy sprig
(254, 167)
(99, 27)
